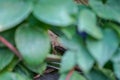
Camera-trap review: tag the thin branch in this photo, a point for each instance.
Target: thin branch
(85, 2)
(53, 57)
(11, 47)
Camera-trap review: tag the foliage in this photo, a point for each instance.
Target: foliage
(89, 31)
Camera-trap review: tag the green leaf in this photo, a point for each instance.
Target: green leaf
(116, 57)
(69, 31)
(84, 60)
(13, 12)
(38, 69)
(25, 73)
(6, 57)
(114, 27)
(102, 50)
(100, 75)
(33, 44)
(83, 57)
(72, 43)
(109, 10)
(9, 36)
(87, 22)
(68, 61)
(117, 69)
(108, 73)
(75, 76)
(55, 12)
(116, 63)
(11, 65)
(10, 76)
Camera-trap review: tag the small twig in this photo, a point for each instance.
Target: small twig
(49, 70)
(53, 57)
(54, 67)
(36, 77)
(11, 47)
(69, 74)
(85, 2)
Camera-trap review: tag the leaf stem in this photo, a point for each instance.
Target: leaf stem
(11, 47)
(70, 74)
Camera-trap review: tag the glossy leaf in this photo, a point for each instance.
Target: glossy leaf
(56, 12)
(23, 71)
(10, 76)
(116, 57)
(108, 73)
(114, 27)
(75, 42)
(33, 43)
(86, 31)
(13, 12)
(102, 50)
(69, 31)
(83, 58)
(108, 10)
(6, 57)
(75, 76)
(68, 61)
(117, 69)
(116, 63)
(37, 69)
(87, 22)
(11, 65)
(99, 75)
